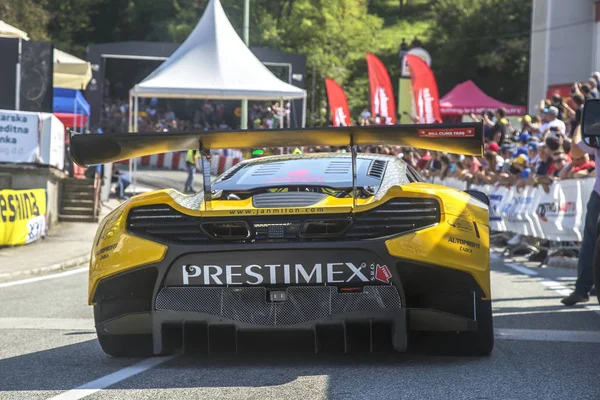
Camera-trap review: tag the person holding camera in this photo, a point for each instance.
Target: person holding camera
(553, 125)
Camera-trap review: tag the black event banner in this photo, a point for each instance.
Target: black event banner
(9, 48)
(37, 70)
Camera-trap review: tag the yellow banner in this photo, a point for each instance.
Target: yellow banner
(22, 216)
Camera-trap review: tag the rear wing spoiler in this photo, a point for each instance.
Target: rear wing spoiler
(95, 149)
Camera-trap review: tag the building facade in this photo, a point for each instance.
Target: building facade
(565, 40)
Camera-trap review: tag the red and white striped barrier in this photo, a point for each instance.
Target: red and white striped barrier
(176, 161)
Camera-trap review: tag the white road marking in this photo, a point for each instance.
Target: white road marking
(553, 285)
(67, 324)
(43, 278)
(109, 380)
(521, 269)
(545, 335)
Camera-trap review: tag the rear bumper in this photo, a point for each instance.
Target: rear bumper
(427, 298)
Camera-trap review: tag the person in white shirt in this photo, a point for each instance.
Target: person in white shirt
(553, 126)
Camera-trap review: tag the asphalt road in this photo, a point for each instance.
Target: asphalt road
(543, 351)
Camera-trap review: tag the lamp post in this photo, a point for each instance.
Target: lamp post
(244, 116)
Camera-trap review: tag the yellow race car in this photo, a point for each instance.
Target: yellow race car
(335, 251)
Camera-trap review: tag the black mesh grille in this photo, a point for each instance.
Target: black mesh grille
(249, 305)
(397, 216)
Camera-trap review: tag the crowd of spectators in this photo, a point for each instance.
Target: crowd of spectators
(537, 152)
(153, 117)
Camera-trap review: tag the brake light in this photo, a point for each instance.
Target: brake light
(350, 289)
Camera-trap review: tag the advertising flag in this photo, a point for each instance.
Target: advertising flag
(425, 91)
(338, 103)
(382, 95)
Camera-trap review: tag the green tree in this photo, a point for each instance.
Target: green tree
(27, 15)
(483, 40)
(335, 36)
(70, 23)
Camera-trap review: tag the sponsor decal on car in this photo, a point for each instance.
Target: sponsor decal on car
(461, 224)
(466, 246)
(447, 132)
(278, 211)
(383, 274)
(286, 274)
(103, 252)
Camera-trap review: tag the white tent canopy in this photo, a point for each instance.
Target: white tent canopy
(7, 30)
(71, 72)
(214, 63)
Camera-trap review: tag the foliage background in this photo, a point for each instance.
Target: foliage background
(483, 40)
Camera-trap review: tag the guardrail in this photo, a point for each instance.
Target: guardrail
(558, 215)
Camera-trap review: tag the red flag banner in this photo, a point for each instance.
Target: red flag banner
(338, 103)
(382, 94)
(425, 91)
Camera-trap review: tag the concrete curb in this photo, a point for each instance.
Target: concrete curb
(62, 266)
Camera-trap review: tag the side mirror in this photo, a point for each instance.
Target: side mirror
(590, 124)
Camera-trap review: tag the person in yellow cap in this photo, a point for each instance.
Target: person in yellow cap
(297, 151)
(191, 165)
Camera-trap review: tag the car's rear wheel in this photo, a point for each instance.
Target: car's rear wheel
(120, 345)
(472, 343)
(126, 345)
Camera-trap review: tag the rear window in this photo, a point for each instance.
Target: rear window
(327, 172)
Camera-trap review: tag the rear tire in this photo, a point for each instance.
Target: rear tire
(121, 345)
(126, 345)
(472, 343)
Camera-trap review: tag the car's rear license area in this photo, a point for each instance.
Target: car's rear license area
(326, 299)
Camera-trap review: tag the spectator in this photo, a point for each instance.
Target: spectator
(533, 155)
(553, 126)
(545, 165)
(523, 140)
(191, 166)
(560, 162)
(493, 149)
(593, 83)
(506, 154)
(497, 128)
(585, 274)
(557, 102)
(520, 167)
(581, 166)
(576, 112)
(553, 144)
(424, 159)
(365, 115)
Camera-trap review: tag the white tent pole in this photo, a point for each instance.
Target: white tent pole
(244, 116)
(304, 110)
(281, 113)
(130, 112)
(75, 116)
(18, 80)
(135, 129)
